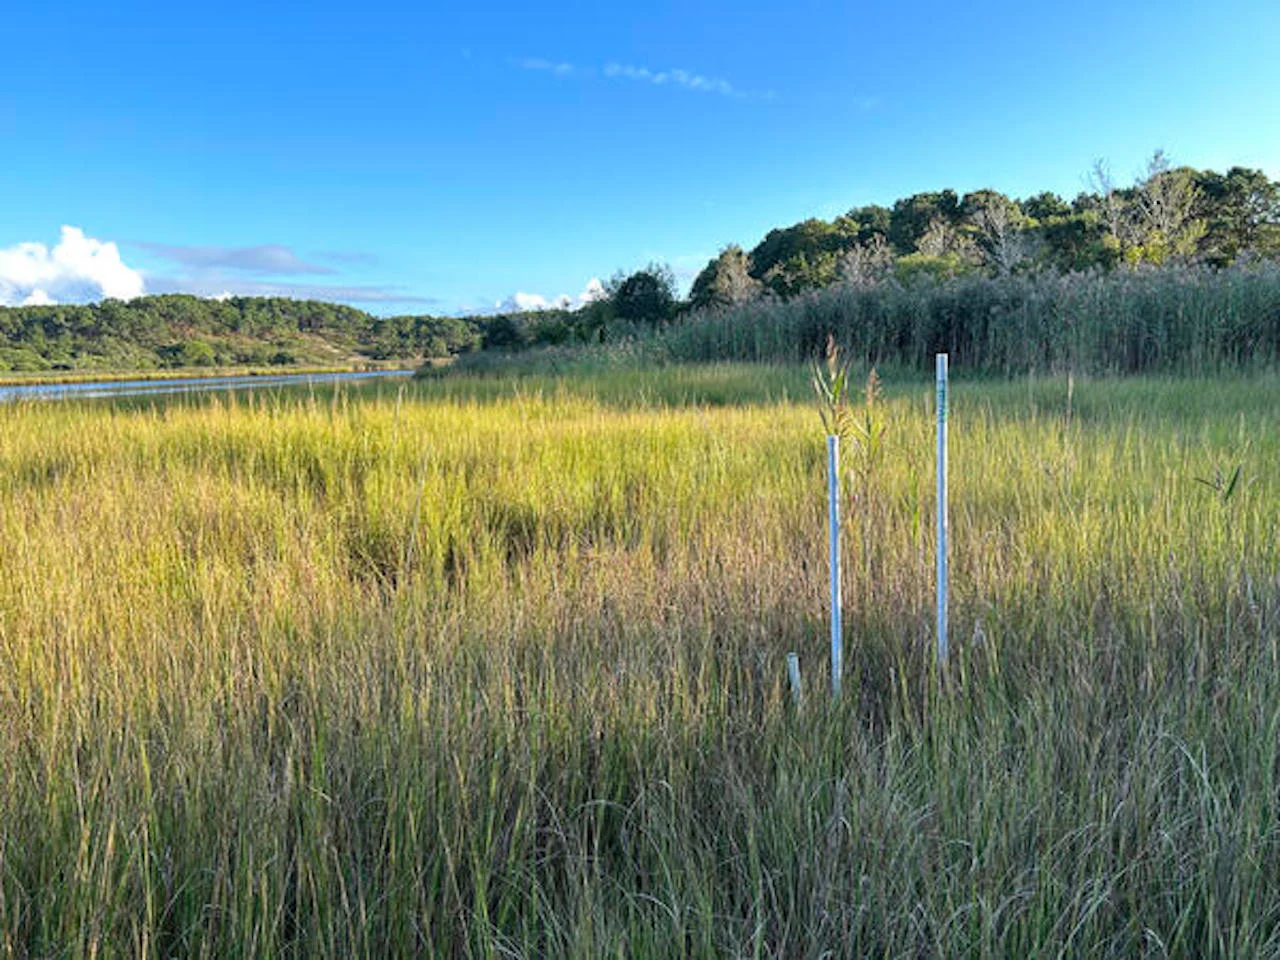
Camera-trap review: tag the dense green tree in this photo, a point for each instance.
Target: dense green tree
(506, 331)
(645, 296)
(1241, 210)
(805, 255)
(913, 216)
(810, 238)
(198, 353)
(1076, 242)
(917, 267)
(1045, 206)
(872, 221)
(1163, 226)
(972, 204)
(594, 319)
(804, 271)
(725, 281)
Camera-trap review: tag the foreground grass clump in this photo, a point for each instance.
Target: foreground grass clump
(494, 668)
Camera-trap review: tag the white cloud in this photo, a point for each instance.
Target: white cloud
(38, 298)
(521, 302)
(77, 269)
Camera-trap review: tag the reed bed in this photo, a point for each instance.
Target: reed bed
(1185, 320)
(493, 668)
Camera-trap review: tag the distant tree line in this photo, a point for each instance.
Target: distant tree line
(179, 330)
(1170, 217)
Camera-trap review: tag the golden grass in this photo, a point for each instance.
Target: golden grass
(482, 668)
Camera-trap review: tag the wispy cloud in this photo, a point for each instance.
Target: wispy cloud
(223, 286)
(264, 270)
(547, 66)
(675, 77)
(267, 258)
(351, 258)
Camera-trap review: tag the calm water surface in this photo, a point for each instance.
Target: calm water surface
(133, 388)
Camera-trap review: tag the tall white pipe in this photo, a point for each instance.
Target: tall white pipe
(942, 507)
(833, 514)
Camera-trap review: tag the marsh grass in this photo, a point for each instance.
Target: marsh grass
(1185, 320)
(495, 667)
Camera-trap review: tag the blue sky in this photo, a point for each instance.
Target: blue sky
(437, 157)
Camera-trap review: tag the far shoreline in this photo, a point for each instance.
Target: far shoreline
(38, 378)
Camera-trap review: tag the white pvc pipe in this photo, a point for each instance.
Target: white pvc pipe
(793, 675)
(833, 514)
(942, 507)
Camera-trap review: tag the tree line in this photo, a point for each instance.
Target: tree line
(1169, 217)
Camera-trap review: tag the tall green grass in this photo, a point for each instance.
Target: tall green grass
(1184, 320)
(417, 672)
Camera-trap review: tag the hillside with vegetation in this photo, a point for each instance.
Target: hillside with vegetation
(176, 331)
